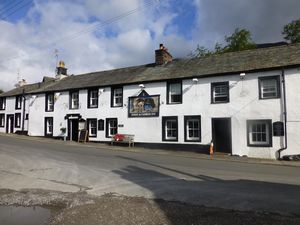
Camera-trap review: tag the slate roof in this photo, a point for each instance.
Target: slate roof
(216, 65)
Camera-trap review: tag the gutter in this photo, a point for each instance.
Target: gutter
(284, 115)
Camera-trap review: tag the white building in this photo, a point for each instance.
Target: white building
(246, 102)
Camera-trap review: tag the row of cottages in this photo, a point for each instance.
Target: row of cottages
(246, 102)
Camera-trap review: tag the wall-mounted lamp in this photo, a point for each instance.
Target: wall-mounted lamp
(101, 91)
(56, 95)
(242, 76)
(142, 86)
(195, 80)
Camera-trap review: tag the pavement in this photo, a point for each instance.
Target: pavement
(223, 181)
(178, 153)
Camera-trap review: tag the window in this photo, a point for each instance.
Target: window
(18, 102)
(111, 127)
(174, 93)
(18, 120)
(49, 126)
(49, 102)
(116, 96)
(2, 103)
(259, 133)
(93, 98)
(170, 128)
(92, 127)
(2, 120)
(220, 92)
(74, 100)
(192, 128)
(269, 87)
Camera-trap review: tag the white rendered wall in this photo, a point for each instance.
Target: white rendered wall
(244, 105)
(10, 110)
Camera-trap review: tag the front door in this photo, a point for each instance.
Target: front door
(73, 129)
(221, 134)
(10, 124)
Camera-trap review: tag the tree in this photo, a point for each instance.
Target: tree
(291, 31)
(238, 41)
(1, 91)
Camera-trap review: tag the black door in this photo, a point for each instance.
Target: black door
(73, 129)
(10, 124)
(221, 134)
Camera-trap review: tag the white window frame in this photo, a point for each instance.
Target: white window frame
(49, 125)
(224, 92)
(2, 103)
(194, 129)
(75, 100)
(110, 127)
(269, 87)
(259, 133)
(170, 128)
(92, 127)
(19, 102)
(18, 120)
(2, 120)
(117, 97)
(93, 98)
(174, 89)
(50, 102)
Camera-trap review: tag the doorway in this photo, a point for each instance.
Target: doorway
(73, 129)
(10, 123)
(221, 135)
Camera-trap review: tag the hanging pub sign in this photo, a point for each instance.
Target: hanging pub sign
(278, 129)
(143, 105)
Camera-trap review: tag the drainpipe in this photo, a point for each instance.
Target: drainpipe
(23, 117)
(284, 114)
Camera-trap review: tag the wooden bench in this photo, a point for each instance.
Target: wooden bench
(123, 138)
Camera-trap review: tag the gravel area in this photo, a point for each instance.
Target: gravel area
(111, 209)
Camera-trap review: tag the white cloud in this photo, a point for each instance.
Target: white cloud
(67, 26)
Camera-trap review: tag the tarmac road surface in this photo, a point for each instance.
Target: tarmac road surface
(71, 167)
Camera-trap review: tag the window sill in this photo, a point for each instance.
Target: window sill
(260, 98)
(196, 140)
(174, 103)
(219, 102)
(260, 145)
(171, 140)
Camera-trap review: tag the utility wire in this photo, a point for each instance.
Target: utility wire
(100, 25)
(9, 6)
(19, 8)
(94, 27)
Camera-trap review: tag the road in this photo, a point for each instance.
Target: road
(71, 167)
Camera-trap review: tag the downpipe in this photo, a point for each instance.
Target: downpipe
(284, 115)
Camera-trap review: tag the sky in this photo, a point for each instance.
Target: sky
(96, 35)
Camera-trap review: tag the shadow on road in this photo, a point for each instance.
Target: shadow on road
(242, 194)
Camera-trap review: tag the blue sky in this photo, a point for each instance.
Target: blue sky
(93, 35)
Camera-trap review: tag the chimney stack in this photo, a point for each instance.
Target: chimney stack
(21, 83)
(61, 70)
(162, 55)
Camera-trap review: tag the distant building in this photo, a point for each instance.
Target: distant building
(246, 102)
